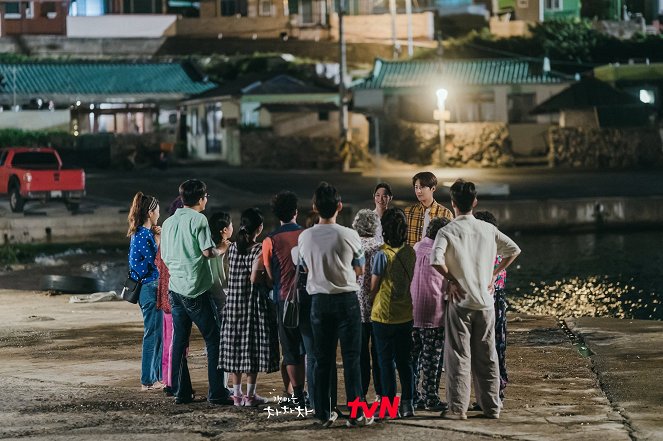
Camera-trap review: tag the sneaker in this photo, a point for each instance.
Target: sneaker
(253, 401)
(238, 401)
(407, 409)
(474, 407)
(437, 407)
(449, 415)
(360, 422)
(157, 385)
(332, 417)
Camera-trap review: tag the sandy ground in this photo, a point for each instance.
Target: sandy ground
(71, 371)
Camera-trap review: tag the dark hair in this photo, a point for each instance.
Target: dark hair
(326, 200)
(384, 185)
(426, 179)
(177, 203)
(217, 222)
(140, 209)
(284, 205)
(312, 218)
(394, 227)
(192, 191)
(486, 216)
(248, 225)
(463, 194)
(434, 226)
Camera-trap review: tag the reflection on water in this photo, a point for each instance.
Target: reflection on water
(603, 275)
(598, 275)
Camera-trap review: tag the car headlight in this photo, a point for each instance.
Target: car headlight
(27, 177)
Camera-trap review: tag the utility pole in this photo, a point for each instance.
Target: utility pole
(392, 11)
(408, 13)
(14, 89)
(343, 110)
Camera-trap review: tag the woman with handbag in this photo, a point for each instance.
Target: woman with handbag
(144, 233)
(249, 334)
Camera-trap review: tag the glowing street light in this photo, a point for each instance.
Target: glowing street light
(440, 116)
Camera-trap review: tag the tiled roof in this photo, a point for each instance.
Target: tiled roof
(104, 78)
(405, 74)
(282, 85)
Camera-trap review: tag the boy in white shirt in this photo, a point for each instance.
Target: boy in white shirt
(333, 257)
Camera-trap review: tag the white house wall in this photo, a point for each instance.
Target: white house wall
(35, 120)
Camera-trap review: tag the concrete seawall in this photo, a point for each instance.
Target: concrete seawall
(526, 215)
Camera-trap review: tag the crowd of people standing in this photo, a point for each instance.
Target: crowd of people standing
(416, 292)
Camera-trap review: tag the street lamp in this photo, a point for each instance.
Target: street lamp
(440, 116)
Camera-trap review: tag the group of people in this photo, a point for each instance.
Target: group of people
(421, 287)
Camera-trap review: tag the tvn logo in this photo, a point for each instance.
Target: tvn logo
(385, 405)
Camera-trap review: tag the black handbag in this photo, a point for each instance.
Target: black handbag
(291, 304)
(131, 289)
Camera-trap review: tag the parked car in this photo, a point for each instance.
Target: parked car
(37, 174)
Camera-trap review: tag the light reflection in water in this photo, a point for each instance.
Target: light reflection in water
(593, 296)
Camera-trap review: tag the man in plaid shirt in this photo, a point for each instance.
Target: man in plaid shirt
(419, 215)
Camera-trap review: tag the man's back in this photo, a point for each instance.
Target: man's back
(468, 247)
(328, 251)
(184, 237)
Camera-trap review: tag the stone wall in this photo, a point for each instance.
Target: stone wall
(467, 144)
(604, 148)
(261, 148)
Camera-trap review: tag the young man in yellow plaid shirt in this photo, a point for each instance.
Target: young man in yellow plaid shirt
(419, 215)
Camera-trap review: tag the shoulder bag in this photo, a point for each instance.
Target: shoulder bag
(291, 304)
(131, 289)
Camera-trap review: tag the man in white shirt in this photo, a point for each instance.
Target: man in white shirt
(464, 253)
(333, 257)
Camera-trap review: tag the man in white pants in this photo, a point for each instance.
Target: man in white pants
(464, 253)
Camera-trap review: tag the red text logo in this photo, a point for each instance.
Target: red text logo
(385, 405)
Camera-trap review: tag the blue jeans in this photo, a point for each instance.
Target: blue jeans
(394, 344)
(369, 355)
(150, 371)
(307, 338)
(335, 317)
(201, 311)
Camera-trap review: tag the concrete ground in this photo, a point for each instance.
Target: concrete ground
(627, 356)
(70, 371)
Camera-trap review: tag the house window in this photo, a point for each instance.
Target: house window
(29, 10)
(12, 10)
(519, 106)
(48, 10)
(213, 135)
(265, 7)
(250, 114)
(554, 5)
(193, 122)
(228, 8)
(323, 116)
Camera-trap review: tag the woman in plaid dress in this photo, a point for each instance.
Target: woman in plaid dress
(249, 338)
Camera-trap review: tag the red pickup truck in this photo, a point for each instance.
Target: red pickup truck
(37, 174)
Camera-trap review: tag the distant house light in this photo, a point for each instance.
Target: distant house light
(647, 96)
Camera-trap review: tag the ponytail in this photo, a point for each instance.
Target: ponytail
(251, 220)
(140, 211)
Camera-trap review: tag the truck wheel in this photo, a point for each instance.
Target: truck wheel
(72, 206)
(16, 201)
(70, 284)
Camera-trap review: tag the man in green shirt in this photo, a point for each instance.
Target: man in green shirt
(186, 244)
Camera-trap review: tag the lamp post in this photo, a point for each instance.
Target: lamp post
(440, 116)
